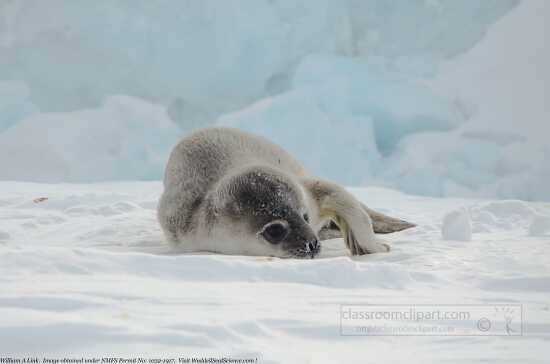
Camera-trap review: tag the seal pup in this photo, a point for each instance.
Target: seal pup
(231, 192)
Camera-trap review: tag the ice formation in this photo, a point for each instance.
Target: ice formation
(216, 57)
(112, 142)
(345, 86)
(15, 103)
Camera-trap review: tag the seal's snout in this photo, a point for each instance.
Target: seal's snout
(312, 245)
(313, 248)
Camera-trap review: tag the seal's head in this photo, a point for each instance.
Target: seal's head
(268, 213)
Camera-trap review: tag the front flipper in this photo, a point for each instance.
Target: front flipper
(338, 205)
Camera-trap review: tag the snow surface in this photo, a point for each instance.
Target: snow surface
(457, 225)
(84, 271)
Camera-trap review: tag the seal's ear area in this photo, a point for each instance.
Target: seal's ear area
(339, 205)
(383, 224)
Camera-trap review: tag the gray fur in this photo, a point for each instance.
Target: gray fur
(222, 186)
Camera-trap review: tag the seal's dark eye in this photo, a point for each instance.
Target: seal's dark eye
(275, 232)
(306, 218)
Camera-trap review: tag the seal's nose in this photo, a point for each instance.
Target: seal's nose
(313, 247)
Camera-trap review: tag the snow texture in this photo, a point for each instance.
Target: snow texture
(540, 226)
(84, 270)
(457, 225)
(406, 92)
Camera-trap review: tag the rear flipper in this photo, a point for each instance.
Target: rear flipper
(381, 224)
(352, 218)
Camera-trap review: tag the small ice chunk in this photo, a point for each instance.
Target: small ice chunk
(540, 225)
(457, 225)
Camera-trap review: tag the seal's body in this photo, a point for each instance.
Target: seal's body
(231, 192)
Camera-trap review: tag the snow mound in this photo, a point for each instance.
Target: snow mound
(124, 138)
(456, 164)
(457, 225)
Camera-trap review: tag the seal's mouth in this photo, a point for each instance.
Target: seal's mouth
(305, 253)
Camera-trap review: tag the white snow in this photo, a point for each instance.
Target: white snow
(540, 226)
(457, 225)
(84, 271)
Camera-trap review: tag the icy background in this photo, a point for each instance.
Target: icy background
(433, 97)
